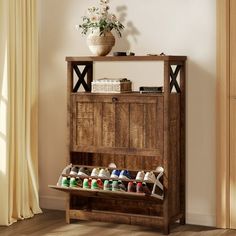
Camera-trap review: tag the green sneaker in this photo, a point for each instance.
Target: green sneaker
(65, 182)
(107, 185)
(86, 183)
(94, 184)
(115, 186)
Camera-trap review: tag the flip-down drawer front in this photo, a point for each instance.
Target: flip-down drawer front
(118, 124)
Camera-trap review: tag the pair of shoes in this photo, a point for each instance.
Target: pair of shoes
(140, 187)
(149, 176)
(103, 173)
(118, 185)
(95, 184)
(124, 174)
(114, 185)
(75, 182)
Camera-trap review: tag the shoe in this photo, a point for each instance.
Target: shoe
(107, 185)
(115, 186)
(104, 173)
(75, 182)
(149, 176)
(140, 176)
(124, 174)
(74, 170)
(83, 171)
(95, 172)
(94, 184)
(87, 183)
(146, 190)
(131, 187)
(139, 187)
(65, 182)
(100, 183)
(115, 174)
(121, 186)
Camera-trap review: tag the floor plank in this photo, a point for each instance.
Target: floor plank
(52, 223)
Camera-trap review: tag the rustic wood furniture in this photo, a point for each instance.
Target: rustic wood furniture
(135, 131)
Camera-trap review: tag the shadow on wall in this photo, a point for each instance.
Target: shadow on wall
(130, 32)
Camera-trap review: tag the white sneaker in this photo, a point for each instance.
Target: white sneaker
(104, 173)
(95, 172)
(149, 176)
(140, 176)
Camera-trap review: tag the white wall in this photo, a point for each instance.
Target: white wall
(180, 27)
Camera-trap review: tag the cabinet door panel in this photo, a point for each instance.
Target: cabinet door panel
(125, 125)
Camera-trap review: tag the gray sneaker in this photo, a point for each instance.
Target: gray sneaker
(83, 171)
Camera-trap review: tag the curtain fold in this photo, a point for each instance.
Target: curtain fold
(19, 74)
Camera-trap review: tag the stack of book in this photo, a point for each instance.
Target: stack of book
(108, 85)
(146, 89)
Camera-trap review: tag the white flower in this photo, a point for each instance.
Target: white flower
(104, 1)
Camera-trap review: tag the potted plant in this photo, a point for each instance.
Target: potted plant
(98, 24)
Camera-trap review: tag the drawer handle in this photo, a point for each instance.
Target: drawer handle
(114, 99)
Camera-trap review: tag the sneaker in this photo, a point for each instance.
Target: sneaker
(124, 174)
(100, 183)
(115, 174)
(115, 186)
(131, 187)
(83, 171)
(65, 182)
(95, 172)
(87, 183)
(149, 176)
(139, 187)
(140, 176)
(107, 185)
(75, 182)
(74, 170)
(104, 173)
(94, 184)
(146, 190)
(121, 186)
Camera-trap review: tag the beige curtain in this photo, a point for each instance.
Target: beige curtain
(18, 110)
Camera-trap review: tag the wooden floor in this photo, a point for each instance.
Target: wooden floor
(52, 223)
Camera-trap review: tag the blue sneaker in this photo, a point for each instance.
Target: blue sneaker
(124, 174)
(115, 174)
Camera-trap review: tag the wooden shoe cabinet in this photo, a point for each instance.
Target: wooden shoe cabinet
(136, 132)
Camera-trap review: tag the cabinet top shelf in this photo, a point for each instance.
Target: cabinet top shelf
(126, 58)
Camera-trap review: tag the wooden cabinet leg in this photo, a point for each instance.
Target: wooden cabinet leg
(166, 229)
(67, 217)
(182, 220)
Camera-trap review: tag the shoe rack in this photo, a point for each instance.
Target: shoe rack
(136, 132)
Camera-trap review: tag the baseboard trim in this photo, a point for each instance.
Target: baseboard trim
(52, 202)
(200, 219)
